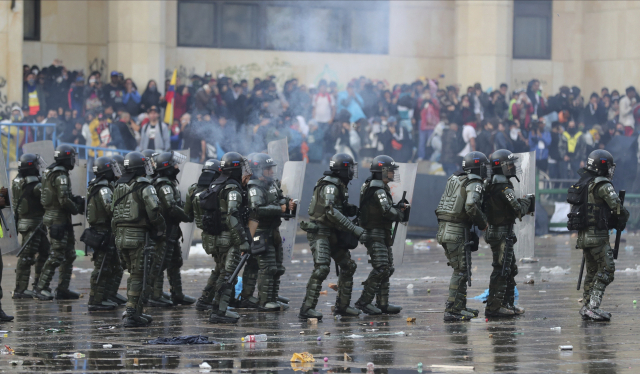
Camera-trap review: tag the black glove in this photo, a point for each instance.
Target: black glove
(350, 210)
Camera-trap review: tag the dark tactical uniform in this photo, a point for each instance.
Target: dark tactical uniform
(59, 205)
(112, 284)
(459, 208)
(26, 193)
(377, 215)
(266, 199)
(169, 254)
(135, 218)
(328, 211)
(502, 208)
(105, 257)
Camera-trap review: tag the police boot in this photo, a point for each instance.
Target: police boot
(93, 307)
(66, 294)
(202, 305)
(222, 314)
(42, 294)
(475, 312)
(118, 299)
(510, 298)
(283, 300)
(502, 312)
(250, 302)
(26, 294)
(593, 310)
(280, 299)
(183, 299)
(306, 312)
(343, 299)
(133, 319)
(382, 301)
(267, 295)
(368, 309)
(22, 283)
(4, 317)
(453, 315)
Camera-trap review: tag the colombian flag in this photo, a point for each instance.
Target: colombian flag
(170, 96)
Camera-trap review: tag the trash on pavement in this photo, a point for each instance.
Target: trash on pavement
(182, 340)
(302, 357)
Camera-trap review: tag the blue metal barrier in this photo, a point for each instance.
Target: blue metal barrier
(32, 132)
(95, 150)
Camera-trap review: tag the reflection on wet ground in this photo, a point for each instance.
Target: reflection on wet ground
(526, 345)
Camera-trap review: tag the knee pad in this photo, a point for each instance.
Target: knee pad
(281, 271)
(349, 269)
(605, 277)
(271, 271)
(321, 271)
(26, 262)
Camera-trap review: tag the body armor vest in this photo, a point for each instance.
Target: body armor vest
(214, 204)
(97, 214)
(495, 205)
(165, 186)
(319, 202)
(598, 212)
(130, 211)
(371, 214)
(272, 195)
(195, 191)
(451, 205)
(49, 197)
(25, 202)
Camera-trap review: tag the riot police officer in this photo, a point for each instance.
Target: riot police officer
(377, 214)
(597, 212)
(460, 207)
(331, 234)
(225, 218)
(136, 222)
(502, 207)
(26, 190)
(193, 208)
(117, 271)
(99, 236)
(59, 204)
(269, 204)
(169, 255)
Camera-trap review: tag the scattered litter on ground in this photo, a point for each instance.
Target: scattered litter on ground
(333, 286)
(347, 357)
(411, 319)
(205, 365)
(304, 251)
(529, 281)
(566, 347)
(302, 357)
(554, 270)
(324, 292)
(409, 286)
(452, 368)
(354, 336)
(54, 330)
(528, 260)
(73, 355)
(182, 340)
(630, 270)
(7, 350)
(106, 328)
(107, 346)
(422, 245)
(556, 329)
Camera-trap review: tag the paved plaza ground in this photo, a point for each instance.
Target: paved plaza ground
(527, 344)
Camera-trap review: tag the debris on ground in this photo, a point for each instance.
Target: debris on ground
(529, 260)
(302, 357)
(73, 355)
(333, 286)
(312, 321)
(54, 330)
(529, 281)
(411, 319)
(324, 292)
(453, 368)
(107, 346)
(565, 348)
(205, 365)
(182, 340)
(554, 270)
(7, 350)
(347, 357)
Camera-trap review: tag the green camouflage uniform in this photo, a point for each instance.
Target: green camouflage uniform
(59, 205)
(265, 198)
(594, 241)
(99, 214)
(459, 208)
(169, 254)
(377, 215)
(328, 211)
(137, 215)
(26, 192)
(502, 208)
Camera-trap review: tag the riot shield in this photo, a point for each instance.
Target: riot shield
(9, 232)
(78, 178)
(279, 152)
(190, 172)
(407, 182)
(44, 148)
(186, 152)
(292, 182)
(526, 229)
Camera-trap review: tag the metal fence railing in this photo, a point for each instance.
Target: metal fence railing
(14, 135)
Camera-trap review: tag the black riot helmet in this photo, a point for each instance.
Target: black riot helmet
(30, 164)
(234, 165)
(136, 163)
(343, 166)
(106, 167)
(261, 162)
(65, 155)
(210, 172)
(381, 166)
(601, 163)
(151, 155)
(168, 163)
(119, 159)
(475, 163)
(211, 166)
(504, 162)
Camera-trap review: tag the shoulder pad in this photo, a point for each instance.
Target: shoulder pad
(32, 178)
(255, 191)
(143, 180)
(332, 180)
(498, 179)
(253, 182)
(59, 168)
(103, 182)
(599, 180)
(162, 180)
(474, 177)
(376, 183)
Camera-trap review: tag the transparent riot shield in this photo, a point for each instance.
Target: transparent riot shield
(8, 230)
(407, 182)
(525, 230)
(190, 173)
(44, 148)
(186, 152)
(78, 177)
(279, 152)
(292, 182)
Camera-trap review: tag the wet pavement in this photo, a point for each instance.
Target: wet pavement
(524, 345)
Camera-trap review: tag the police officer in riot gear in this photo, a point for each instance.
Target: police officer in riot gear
(138, 227)
(193, 208)
(226, 218)
(26, 190)
(602, 211)
(377, 214)
(502, 207)
(99, 236)
(460, 208)
(328, 233)
(59, 204)
(267, 201)
(169, 255)
(117, 272)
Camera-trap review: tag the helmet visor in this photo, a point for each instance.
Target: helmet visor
(148, 166)
(117, 172)
(611, 171)
(246, 167)
(392, 174)
(353, 170)
(178, 158)
(512, 167)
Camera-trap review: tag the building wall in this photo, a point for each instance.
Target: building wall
(11, 35)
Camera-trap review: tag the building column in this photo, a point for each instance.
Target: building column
(11, 35)
(136, 44)
(484, 40)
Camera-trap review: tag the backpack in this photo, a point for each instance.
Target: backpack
(578, 218)
(210, 203)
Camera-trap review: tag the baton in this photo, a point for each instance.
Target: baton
(395, 229)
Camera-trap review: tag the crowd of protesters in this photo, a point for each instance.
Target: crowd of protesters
(412, 122)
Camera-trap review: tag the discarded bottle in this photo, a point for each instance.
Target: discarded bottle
(566, 347)
(628, 248)
(255, 338)
(556, 328)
